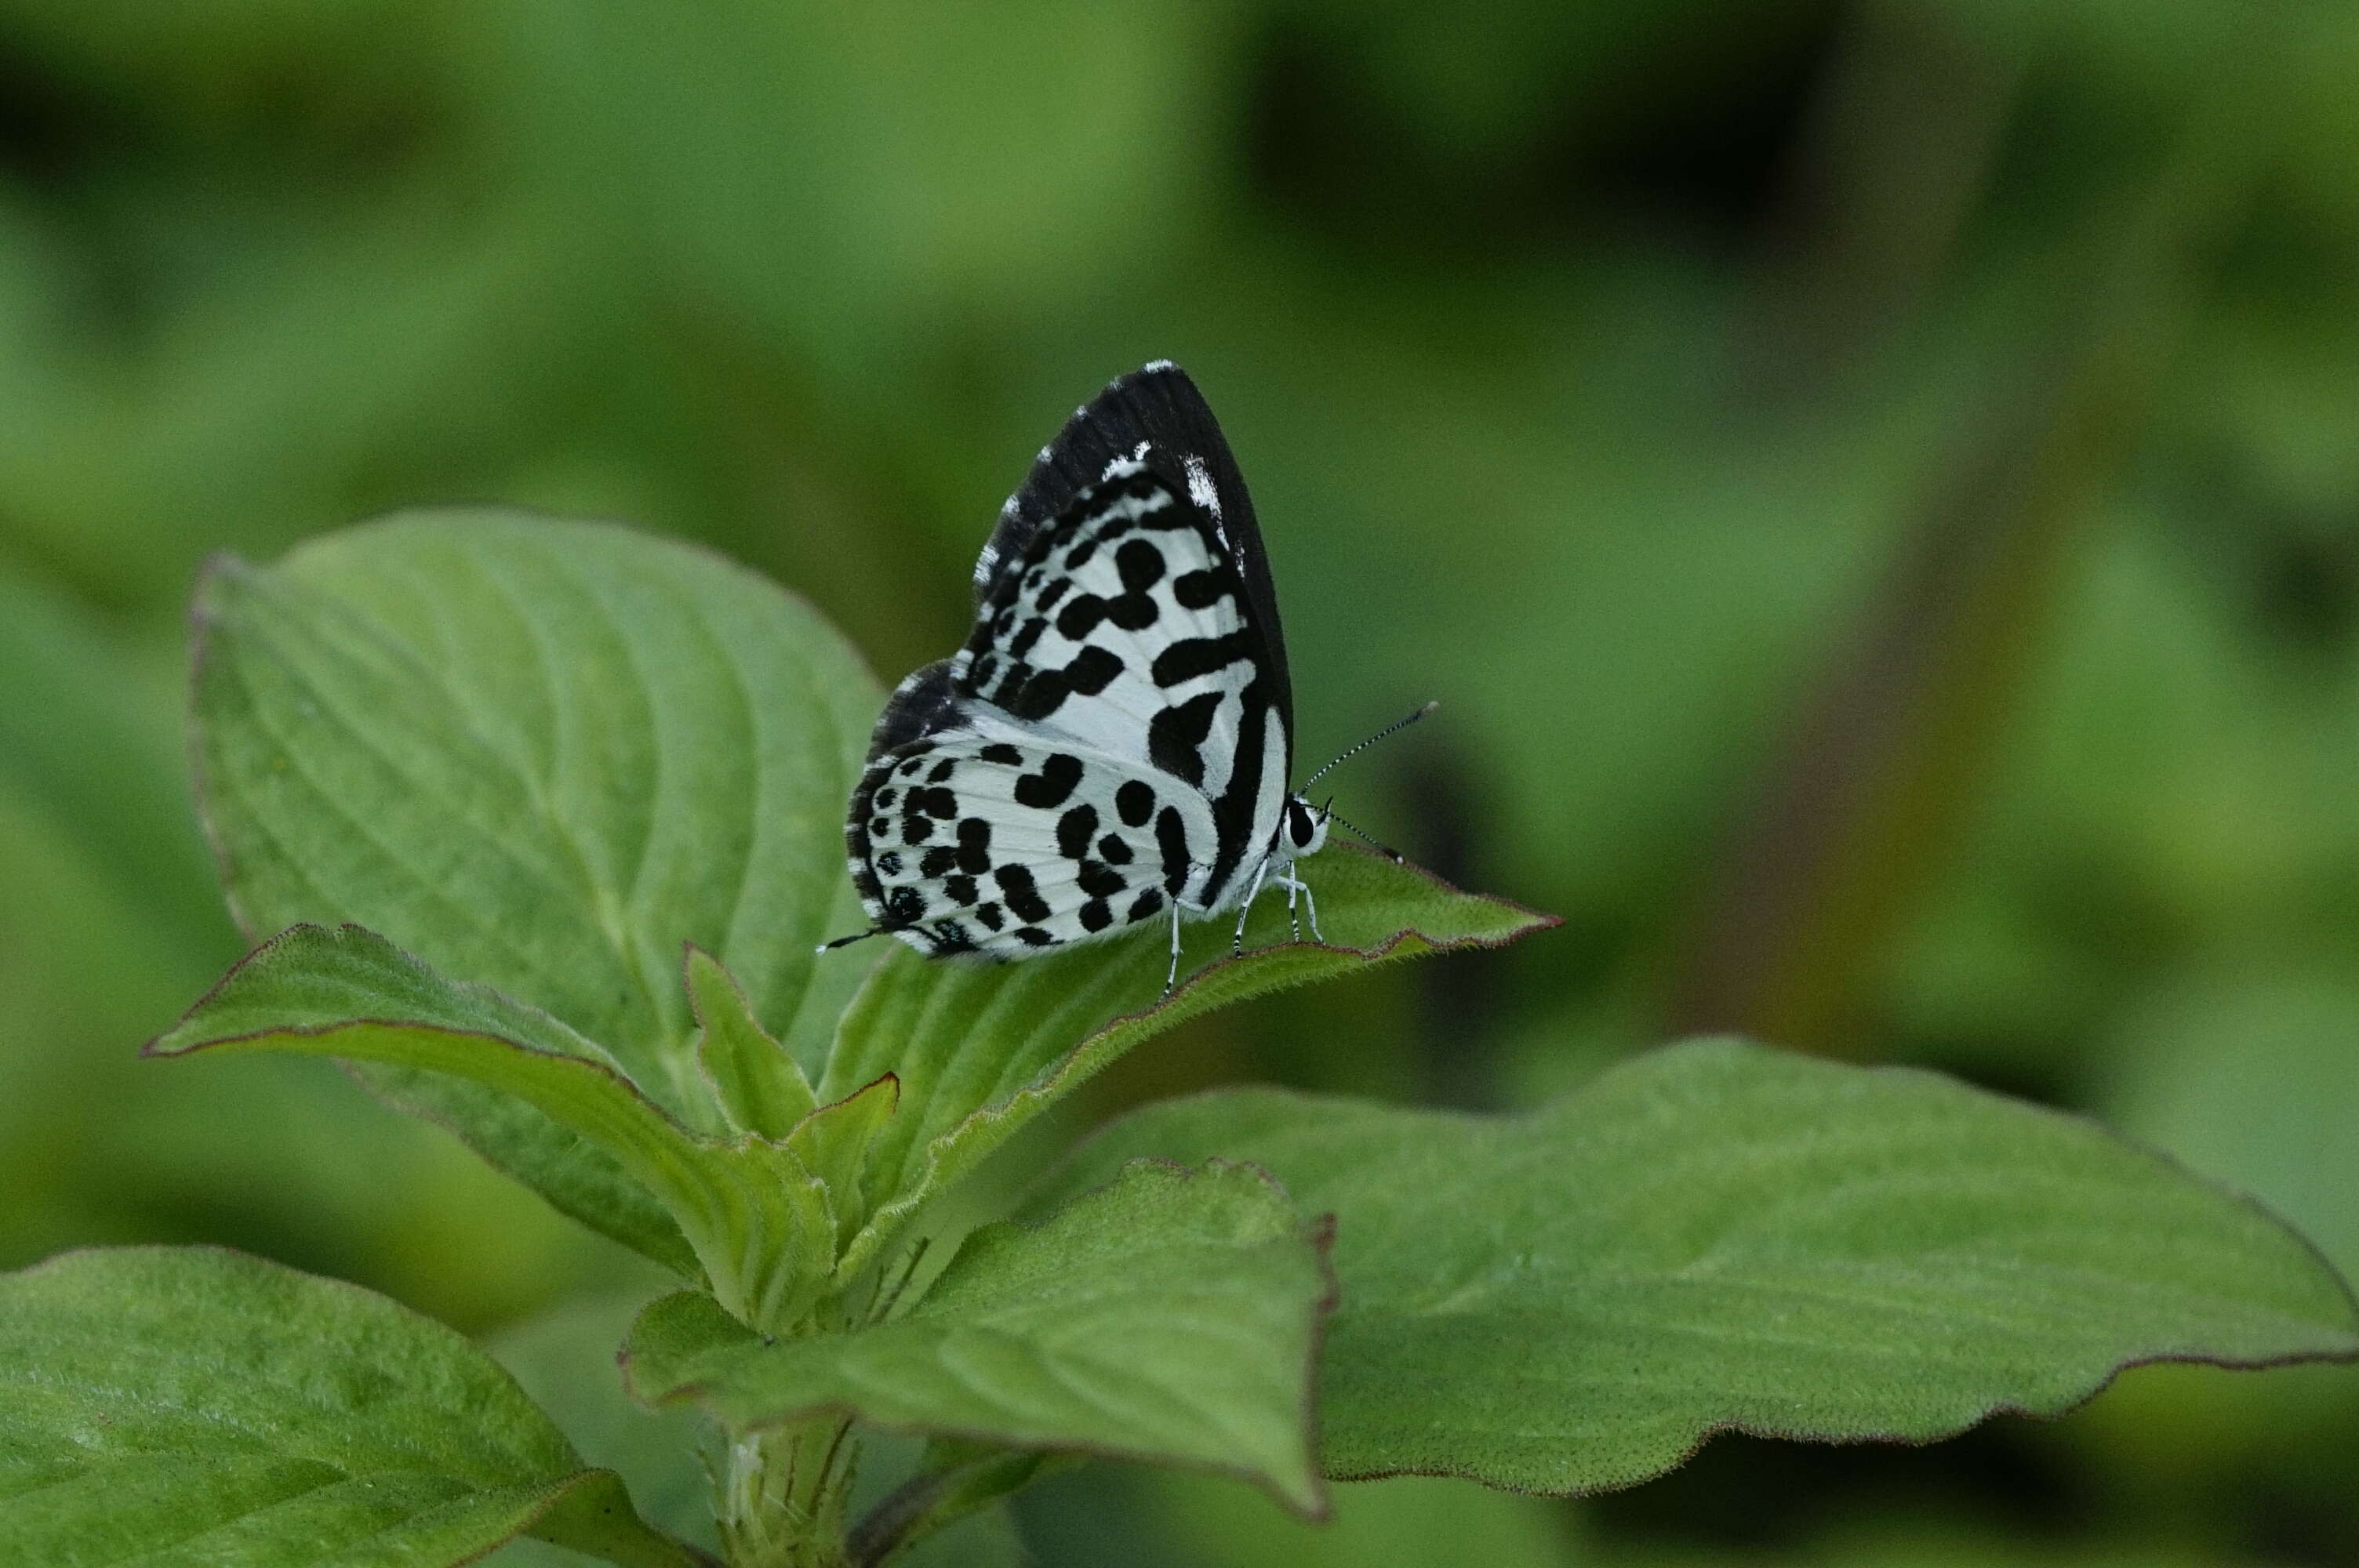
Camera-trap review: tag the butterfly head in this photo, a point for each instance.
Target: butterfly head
(1305, 829)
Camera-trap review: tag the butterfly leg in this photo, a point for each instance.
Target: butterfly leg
(1237, 943)
(1293, 886)
(1171, 980)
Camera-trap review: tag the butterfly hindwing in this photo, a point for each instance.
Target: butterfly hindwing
(968, 843)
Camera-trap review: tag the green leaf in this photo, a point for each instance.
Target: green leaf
(349, 993)
(981, 1049)
(745, 1213)
(1171, 1316)
(541, 755)
(1717, 1236)
(833, 1144)
(205, 1406)
(757, 1085)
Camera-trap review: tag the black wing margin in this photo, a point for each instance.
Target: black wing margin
(1160, 406)
(922, 705)
(925, 703)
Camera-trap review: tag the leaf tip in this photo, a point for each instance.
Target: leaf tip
(168, 1043)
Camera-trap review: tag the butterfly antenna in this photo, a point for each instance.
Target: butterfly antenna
(855, 937)
(1387, 851)
(1393, 729)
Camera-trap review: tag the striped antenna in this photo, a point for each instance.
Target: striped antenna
(1327, 813)
(1393, 729)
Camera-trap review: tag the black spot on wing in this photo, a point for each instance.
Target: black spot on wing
(1020, 647)
(1203, 589)
(973, 846)
(1033, 694)
(1135, 801)
(1047, 790)
(1171, 845)
(1149, 901)
(1134, 612)
(1081, 616)
(1141, 564)
(1092, 670)
(1175, 737)
(1075, 829)
(1018, 892)
(1003, 753)
(1193, 656)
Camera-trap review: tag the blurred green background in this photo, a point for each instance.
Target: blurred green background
(1875, 486)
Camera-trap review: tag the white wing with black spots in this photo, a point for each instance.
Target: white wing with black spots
(1123, 627)
(1112, 743)
(971, 844)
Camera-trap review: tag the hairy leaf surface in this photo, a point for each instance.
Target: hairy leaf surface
(1171, 1315)
(1717, 1236)
(189, 1405)
(742, 1211)
(542, 756)
(981, 1049)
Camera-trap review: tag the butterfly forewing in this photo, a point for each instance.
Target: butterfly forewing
(1123, 627)
(1160, 409)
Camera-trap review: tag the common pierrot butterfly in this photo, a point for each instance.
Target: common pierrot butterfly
(1111, 746)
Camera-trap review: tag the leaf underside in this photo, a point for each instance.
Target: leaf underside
(746, 1215)
(349, 993)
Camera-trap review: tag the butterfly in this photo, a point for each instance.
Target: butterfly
(1112, 745)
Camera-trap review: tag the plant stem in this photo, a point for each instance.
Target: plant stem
(783, 1496)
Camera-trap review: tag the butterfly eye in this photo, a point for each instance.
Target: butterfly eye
(1299, 824)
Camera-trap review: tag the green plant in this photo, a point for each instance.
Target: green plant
(546, 820)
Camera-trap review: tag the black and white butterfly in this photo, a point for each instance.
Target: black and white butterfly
(1112, 744)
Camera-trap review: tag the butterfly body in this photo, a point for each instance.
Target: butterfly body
(1112, 745)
